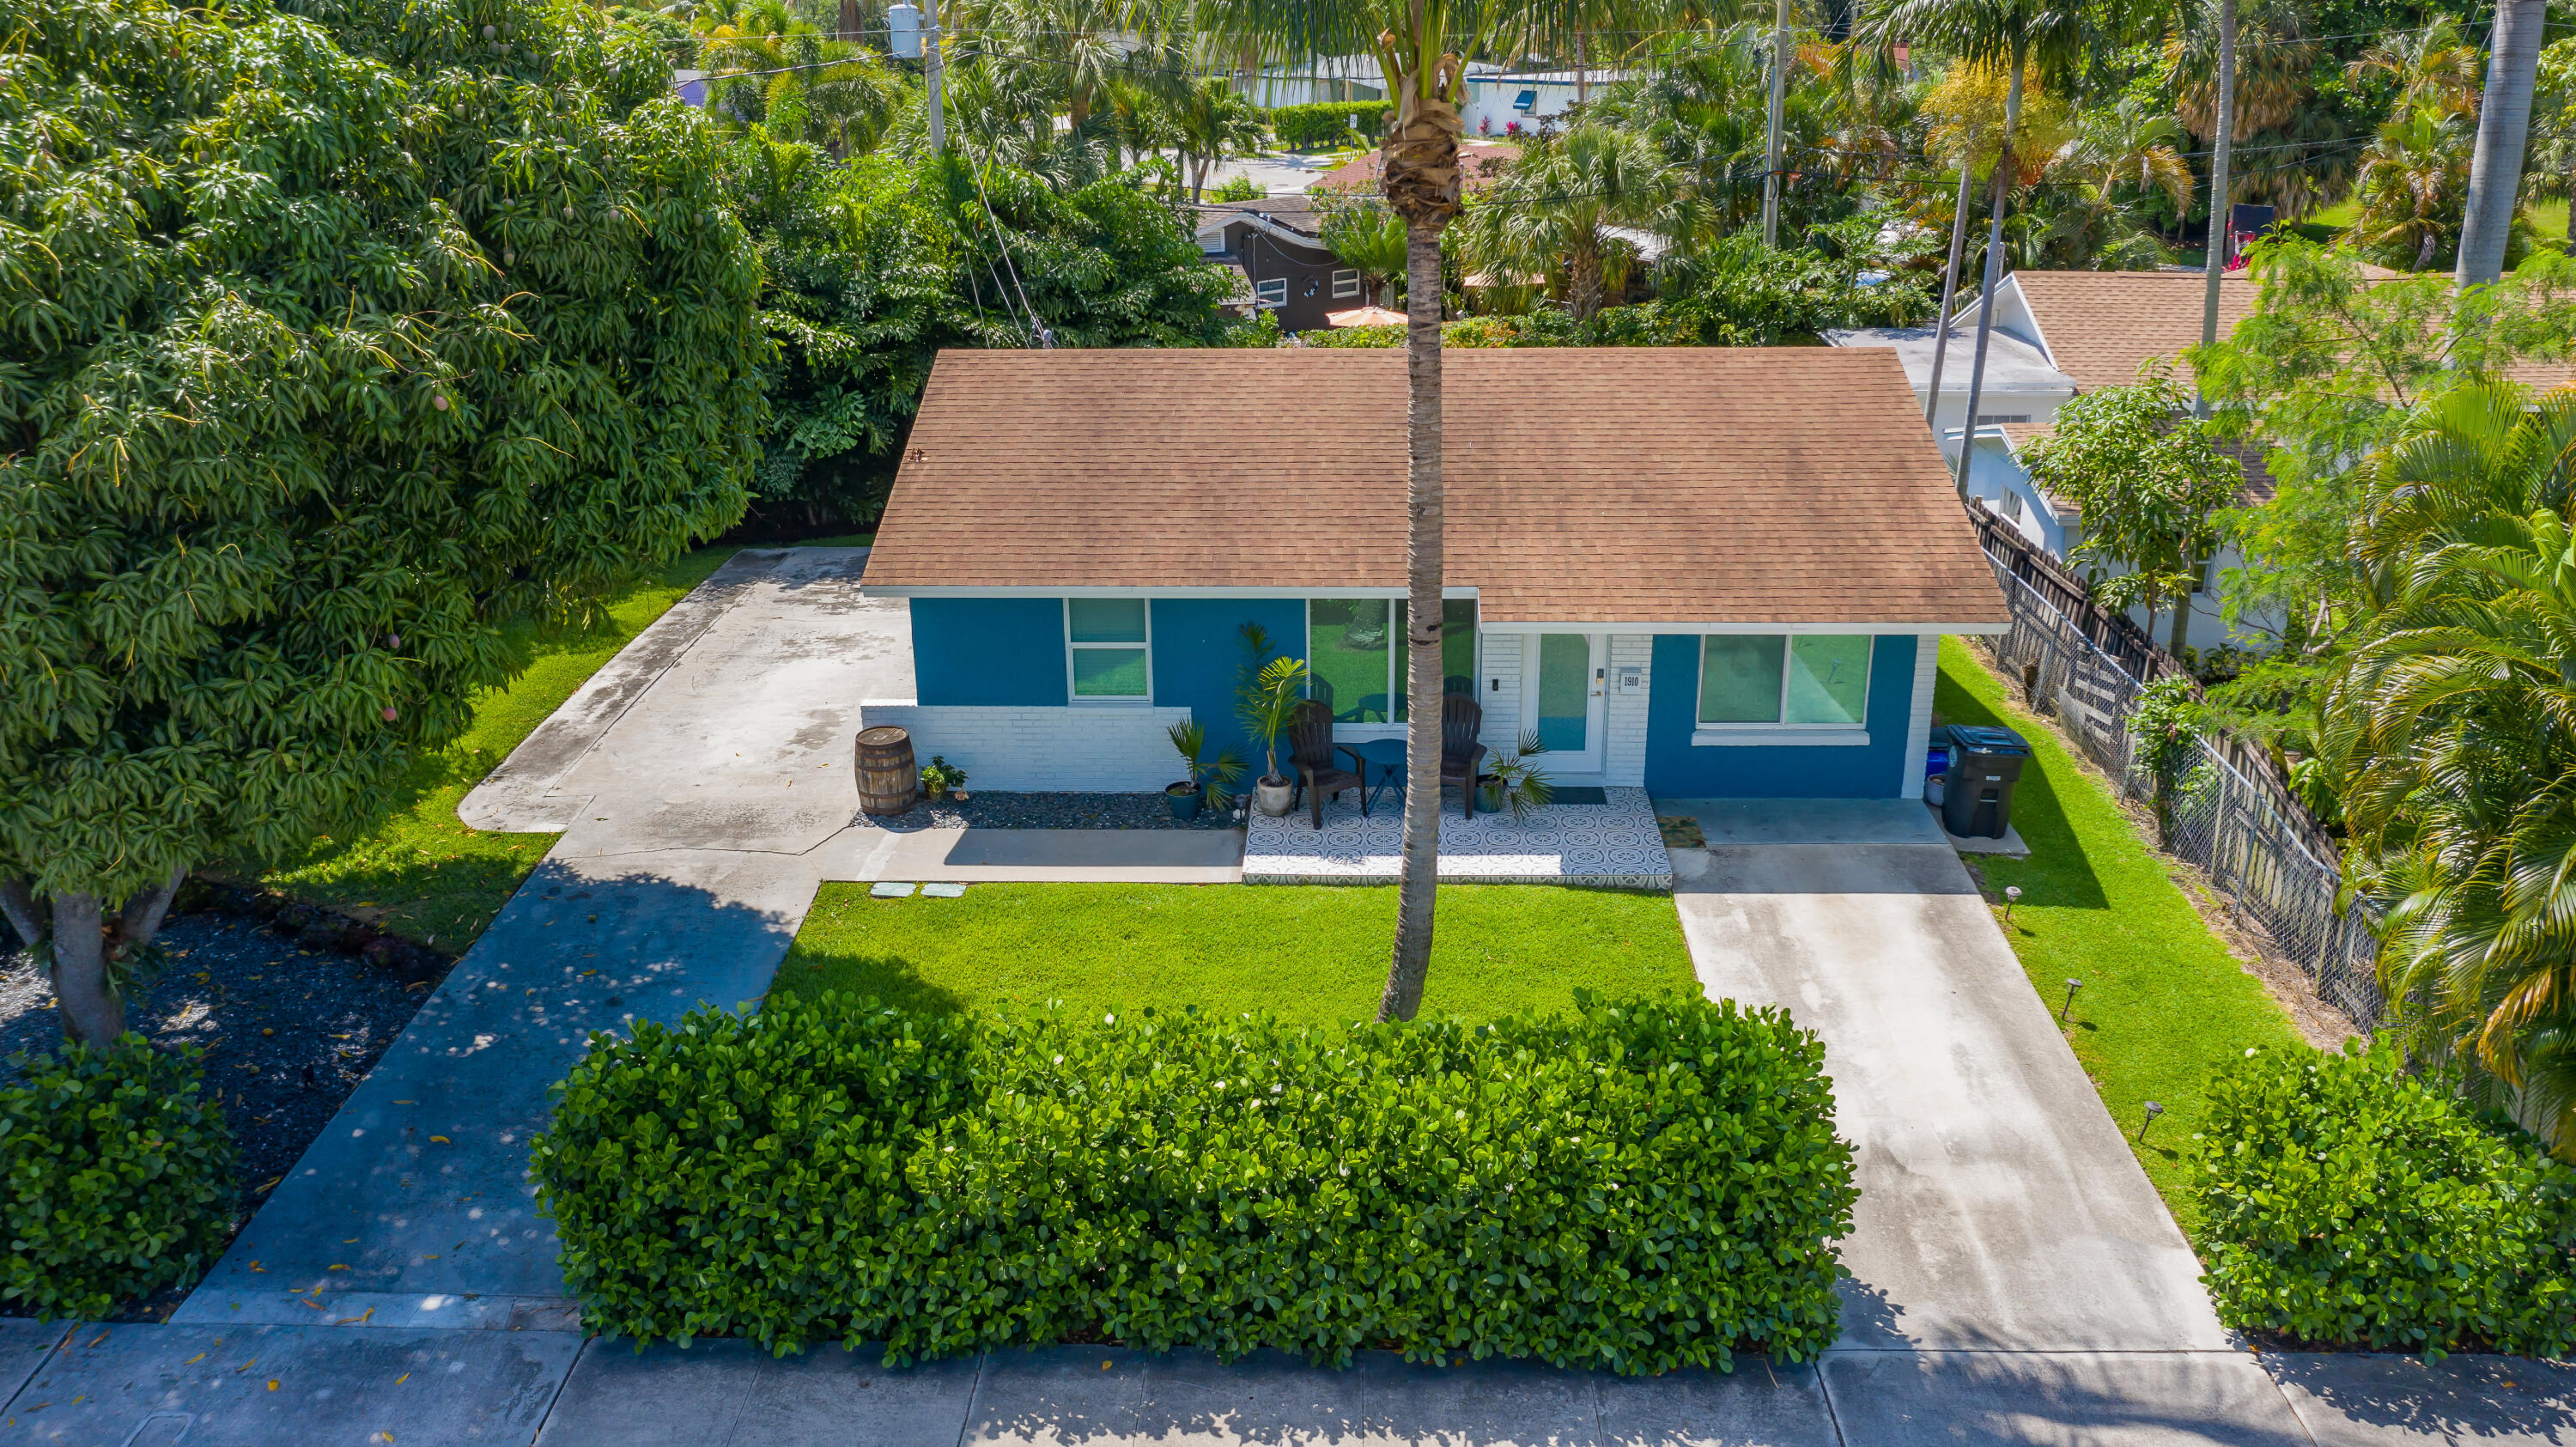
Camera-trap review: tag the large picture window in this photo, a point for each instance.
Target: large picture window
(1809, 679)
(1355, 655)
(1109, 650)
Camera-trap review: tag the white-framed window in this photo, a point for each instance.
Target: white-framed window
(1355, 658)
(2012, 504)
(1784, 681)
(1109, 650)
(1273, 292)
(1992, 419)
(1346, 283)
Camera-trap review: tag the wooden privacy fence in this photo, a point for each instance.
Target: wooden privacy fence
(2235, 817)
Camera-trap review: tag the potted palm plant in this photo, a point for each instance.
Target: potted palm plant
(1267, 704)
(1207, 780)
(1515, 783)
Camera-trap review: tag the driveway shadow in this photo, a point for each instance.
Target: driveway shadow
(2356, 1397)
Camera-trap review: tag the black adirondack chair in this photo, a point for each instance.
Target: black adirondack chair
(1319, 770)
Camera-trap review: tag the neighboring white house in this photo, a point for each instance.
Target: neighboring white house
(2057, 333)
(1496, 98)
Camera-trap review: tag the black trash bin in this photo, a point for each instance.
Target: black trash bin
(1985, 764)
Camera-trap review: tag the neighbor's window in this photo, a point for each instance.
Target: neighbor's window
(1814, 678)
(1355, 655)
(1109, 648)
(1345, 283)
(1273, 292)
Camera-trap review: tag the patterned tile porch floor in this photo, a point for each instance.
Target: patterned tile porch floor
(1611, 846)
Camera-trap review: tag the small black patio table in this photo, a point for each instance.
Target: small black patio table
(1387, 757)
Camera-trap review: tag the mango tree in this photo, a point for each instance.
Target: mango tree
(331, 337)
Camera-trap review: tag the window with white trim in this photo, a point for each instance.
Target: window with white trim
(1355, 655)
(1273, 292)
(1771, 680)
(1108, 650)
(1346, 283)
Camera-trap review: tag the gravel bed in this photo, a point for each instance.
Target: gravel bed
(288, 1031)
(996, 809)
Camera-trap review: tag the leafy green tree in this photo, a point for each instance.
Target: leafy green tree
(2452, 726)
(2149, 484)
(333, 340)
(871, 269)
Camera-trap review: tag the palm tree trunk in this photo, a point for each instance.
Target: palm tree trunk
(1422, 568)
(1950, 280)
(2213, 252)
(2504, 125)
(1994, 272)
(1583, 281)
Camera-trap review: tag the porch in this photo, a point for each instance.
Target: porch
(1613, 844)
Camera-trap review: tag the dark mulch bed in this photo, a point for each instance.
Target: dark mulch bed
(288, 1031)
(997, 809)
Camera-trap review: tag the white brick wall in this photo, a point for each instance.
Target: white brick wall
(1918, 724)
(1502, 660)
(1089, 749)
(1623, 758)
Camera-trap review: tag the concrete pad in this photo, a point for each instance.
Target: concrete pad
(163, 1386)
(2102, 1399)
(1999, 1206)
(381, 1205)
(1108, 856)
(24, 1346)
(727, 723)
(1756, 1405)
(1807, 821)
(715, 1393)
(2011, 845)
(2366, 1400)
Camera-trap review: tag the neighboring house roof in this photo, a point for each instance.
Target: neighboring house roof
(1611, 485)
(1480, 164)
(2098, 327)
(2012, 365)
(1298, 219)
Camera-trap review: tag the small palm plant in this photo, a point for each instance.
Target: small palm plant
(1267, 705)
(1518, 784)
(1189, 737)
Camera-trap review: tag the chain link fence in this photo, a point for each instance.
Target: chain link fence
(2233, 818)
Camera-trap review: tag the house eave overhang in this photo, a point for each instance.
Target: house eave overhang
(1548, 625)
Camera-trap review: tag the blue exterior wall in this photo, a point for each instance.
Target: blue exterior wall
(1676, 768)
(988, 651)
(1198, 650)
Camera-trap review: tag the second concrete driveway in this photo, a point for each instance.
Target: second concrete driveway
(1999, 1207)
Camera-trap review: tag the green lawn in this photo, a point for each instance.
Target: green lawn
(1315, 954)
(421, 873)
(2164, 1004)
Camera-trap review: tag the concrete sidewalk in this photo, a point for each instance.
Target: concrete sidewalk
(202, 1387)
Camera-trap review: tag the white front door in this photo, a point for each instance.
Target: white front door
(1564, 689)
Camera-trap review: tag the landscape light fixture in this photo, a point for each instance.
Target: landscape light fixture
(2072, 985)
(2153, 1110)
(2012, 896)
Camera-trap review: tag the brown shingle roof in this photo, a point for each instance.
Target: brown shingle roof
(2099, 326)
(1605, 485)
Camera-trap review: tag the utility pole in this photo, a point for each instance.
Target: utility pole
(1771, 152)
(930, 68)
(2504, 126)
(2222, 219)
(1950, 281)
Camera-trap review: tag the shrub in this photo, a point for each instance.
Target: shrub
(1636, 1187)
(119, 1177)
(2349, 1203)
(1328, 123)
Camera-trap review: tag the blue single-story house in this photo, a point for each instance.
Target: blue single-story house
(1707, 572)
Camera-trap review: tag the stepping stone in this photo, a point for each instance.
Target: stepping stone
(888, 889)
(943, 891)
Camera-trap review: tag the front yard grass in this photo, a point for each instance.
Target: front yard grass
(2164, 1003)
(421, 873)
(1307, 954)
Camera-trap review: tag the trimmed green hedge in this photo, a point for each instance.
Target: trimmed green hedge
(119, 1178)
(1328, 123)
(2349, 1203)
(1635, 1187)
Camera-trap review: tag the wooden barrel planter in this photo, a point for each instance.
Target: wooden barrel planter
(889, 781)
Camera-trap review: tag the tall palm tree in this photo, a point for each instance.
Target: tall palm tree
(2452, 728)
(2017, 34)
(2432, 68)
(1561, 203)
(1420, 47)
(1208, 122)
(1370, 238)
(2410, 190)
(2124, 154)
(2504, 126)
